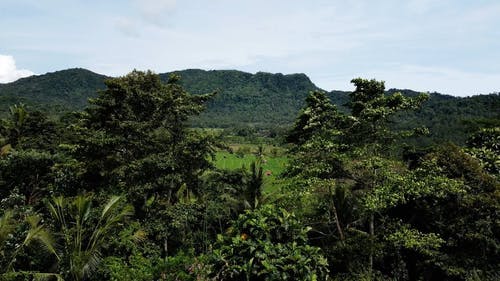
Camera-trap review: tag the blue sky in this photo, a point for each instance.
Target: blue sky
(452, 47)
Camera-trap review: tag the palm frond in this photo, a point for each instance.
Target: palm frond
(91, 264)
(83, 206)
(39, 232)
(112, 203)
(6, 226)
(56, 209)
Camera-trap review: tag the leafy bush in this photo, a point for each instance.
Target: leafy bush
(267, 244)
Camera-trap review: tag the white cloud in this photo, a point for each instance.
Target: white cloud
(155, 11)
(438, 45)
(423, 6)
(9, 71)
(127, 26)
(146, 14)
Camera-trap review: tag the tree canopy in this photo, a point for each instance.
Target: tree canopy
(127, 189)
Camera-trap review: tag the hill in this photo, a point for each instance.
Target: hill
(255, 99)
(452, 118)
(262, 100)
(55, 92)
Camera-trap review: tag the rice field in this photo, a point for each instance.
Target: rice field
(272, 166)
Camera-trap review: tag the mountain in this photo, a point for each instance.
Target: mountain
(452, 118)
(263, 100)
(256, 99)
(55, 92)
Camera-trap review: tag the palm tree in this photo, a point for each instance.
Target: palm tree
(36, 232)
(82, 238)
(253, 192)
(12, 127)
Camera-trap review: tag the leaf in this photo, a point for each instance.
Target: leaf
(6, 149)
(110, 205)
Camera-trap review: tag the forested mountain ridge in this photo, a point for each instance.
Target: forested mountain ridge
(261, 99)
(452, 118)
(251, 98)
(57, 91)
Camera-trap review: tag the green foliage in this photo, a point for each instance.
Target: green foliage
(450, 118)
(272, 165)
(461, 218)
(15, 237)
(24, 129)
(320, 157)
(366, 204)
(395, 186)
(27, 173)
(267, 244)
(409, 238)
(183, 267)
(136, 267)
(262, 99)
(55, 92)
(83, 232)
(202, 214)
(485, 145)
(318, 115)
(134, 138)
(256, 101)
(372, 109)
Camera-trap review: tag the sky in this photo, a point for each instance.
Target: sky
(447, 46)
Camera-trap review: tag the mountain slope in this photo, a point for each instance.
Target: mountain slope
(57, 91)
(263, 100)
(260, 99)
(451, 118)
(256, 99)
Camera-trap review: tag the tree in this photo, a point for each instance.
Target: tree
(345, 157)
(27, 173)
(371, 111)
(83, 233)
(13, 241)
(485, 145)
(134, 139)
(462, 218)
(27, 129)
(266, 244)
(369, 134)
(317, 116)
(253, 188)
(11, 128)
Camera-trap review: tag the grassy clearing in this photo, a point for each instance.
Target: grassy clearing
(272, 166)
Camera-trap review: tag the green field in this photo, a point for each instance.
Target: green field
(272, 166)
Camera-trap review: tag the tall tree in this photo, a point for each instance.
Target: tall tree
(318, 115)
(369, 135)
(485, 145)
(134, 139)
(344, 158)
(372, 110)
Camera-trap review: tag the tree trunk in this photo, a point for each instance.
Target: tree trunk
(165, 246)
(371, 229)
(335, 216)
